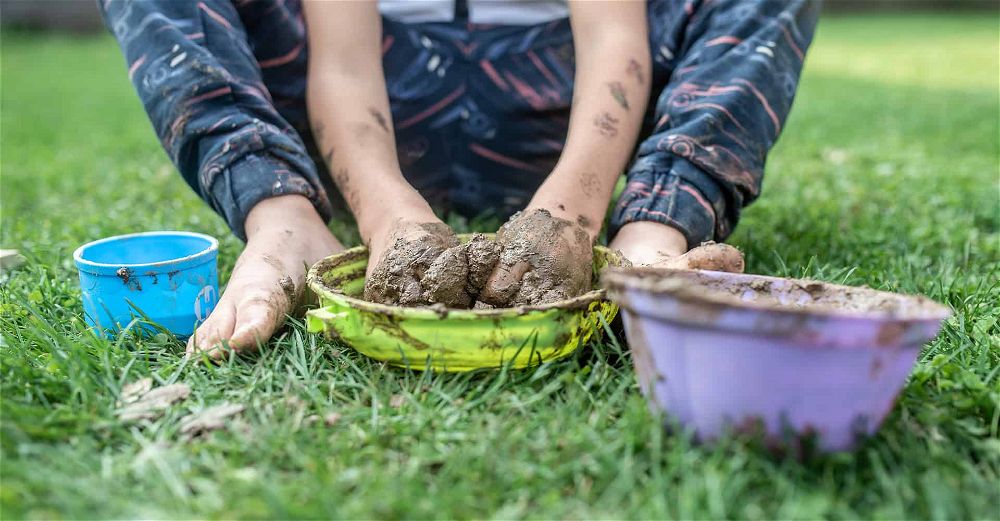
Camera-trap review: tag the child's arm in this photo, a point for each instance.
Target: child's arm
(201, 85)
(612, 85)
(734, 70)
(349, 113)
(609, 99)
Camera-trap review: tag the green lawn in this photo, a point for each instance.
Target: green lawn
(887, 175)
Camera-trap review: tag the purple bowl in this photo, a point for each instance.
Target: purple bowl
(724, 351)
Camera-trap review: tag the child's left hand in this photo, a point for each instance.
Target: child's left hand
(543, 258)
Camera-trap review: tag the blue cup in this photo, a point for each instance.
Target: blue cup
(170, 278)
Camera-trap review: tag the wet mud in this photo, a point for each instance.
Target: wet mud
(542, 259)
(771, 292)
(432, 267)
(715, 257)
(535, 259)
(398, 276)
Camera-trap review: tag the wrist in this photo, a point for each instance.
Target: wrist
(586, 212)
(275, 212)
(291, 223)
(648, 239)
(377, 215)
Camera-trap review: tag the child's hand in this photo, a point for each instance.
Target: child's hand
(405, 253)
(659, 245)
(285, 235)
(542, 259)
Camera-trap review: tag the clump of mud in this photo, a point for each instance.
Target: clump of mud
(542, 259)
(433, 268)
(536, 259)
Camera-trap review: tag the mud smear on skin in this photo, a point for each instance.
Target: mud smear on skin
(437, 270)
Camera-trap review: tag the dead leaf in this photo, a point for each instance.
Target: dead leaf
(209, 419)
(133, 391)
(331, 419)
(153, 403)
(397, 401)
(10, 259)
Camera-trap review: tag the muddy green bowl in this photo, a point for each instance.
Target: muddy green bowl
(452, 339)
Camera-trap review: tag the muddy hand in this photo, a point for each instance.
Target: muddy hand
(285, 234)
(542, 259)
(646, 243)
(418, 264)
(709, 256)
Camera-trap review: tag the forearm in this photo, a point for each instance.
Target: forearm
(609, 100)
(189, 70)
(353, 130)
(349, 112)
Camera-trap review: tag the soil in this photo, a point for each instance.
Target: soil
(288, 287)
(542, 259)
(446, 280)
(483, 254)
(776, 293)
(432, 267)
(397, 276)
(715, 257)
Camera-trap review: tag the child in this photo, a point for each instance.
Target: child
(469, 106)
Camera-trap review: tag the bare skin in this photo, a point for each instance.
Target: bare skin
(284, 236)
(609, 100)
(350, 117)
(659, 245)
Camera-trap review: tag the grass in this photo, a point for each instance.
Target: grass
(887, 175)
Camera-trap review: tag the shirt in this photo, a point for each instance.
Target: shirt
(506, 12)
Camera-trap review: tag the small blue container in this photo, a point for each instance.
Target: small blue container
(170, 277)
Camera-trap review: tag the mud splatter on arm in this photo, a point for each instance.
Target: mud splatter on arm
(606, 124)
(609, 100)
(347, 98)
(618, 93)
(635, 71)
(379, 118)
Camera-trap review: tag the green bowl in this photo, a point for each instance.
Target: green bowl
(452, 339)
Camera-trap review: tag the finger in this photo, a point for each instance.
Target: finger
(503, 283)
(256, 319)
(215, 329)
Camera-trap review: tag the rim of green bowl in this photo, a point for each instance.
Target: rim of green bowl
(318, 285)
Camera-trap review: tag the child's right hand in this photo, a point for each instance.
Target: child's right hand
(401, 255)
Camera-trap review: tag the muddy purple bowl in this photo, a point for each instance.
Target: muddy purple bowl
(722, 351)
